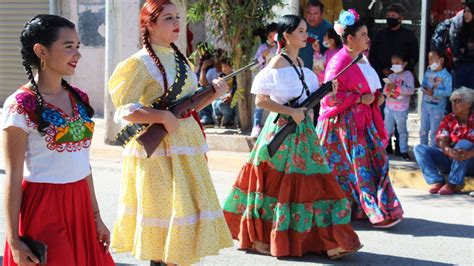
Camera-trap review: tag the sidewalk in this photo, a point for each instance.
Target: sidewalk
(229, 152)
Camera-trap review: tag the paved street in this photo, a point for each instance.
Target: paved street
(436, 231)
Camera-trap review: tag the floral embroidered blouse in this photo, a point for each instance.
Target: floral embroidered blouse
(61, 155)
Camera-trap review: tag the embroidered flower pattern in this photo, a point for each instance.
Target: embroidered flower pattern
(64, 133)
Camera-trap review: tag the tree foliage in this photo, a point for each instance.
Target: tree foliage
(234, 22)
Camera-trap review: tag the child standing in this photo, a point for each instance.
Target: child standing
(333, 43)
(437, 87)
(398, 89)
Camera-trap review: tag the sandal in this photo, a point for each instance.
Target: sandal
(260, 250)
(338, 254)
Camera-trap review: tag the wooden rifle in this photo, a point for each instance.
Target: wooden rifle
(309, 103)
(152, 136)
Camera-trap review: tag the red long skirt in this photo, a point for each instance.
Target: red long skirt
(61, 216)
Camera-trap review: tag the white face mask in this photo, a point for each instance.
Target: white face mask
(434, 66)
(397, 68)
(325, 44)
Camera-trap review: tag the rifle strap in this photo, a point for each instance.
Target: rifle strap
(133, 129)
(300, 74)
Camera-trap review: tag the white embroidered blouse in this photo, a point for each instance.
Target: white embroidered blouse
(61, 155)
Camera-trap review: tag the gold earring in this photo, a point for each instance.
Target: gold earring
(42, 64)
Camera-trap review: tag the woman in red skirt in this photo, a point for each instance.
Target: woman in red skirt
(47, 132)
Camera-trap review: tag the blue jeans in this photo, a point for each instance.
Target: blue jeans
(206, 115)
(257, 117)
(431, 116)
(463, 75)
(398, 118)
(223, 109)
(432, 161)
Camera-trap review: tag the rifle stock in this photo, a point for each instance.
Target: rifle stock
(309, 103)
(151, 137)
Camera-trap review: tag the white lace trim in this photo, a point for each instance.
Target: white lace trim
(126, 110)
(181, 221)
(182, 150)
(153, 69)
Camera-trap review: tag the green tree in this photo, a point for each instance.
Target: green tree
(234, 23)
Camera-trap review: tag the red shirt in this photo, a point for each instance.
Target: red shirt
(451, 128)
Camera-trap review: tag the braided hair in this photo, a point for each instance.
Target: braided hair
(150, 11)
(44, 29)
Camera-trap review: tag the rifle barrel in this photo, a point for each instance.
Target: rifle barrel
(235, 73)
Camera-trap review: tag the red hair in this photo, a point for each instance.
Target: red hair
(149, 12)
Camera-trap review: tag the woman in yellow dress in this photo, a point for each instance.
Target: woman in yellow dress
(169, 211)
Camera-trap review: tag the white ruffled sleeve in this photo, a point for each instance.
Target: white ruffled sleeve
(264, 82)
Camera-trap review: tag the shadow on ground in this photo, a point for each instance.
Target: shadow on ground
(366, 258)
(421, 228)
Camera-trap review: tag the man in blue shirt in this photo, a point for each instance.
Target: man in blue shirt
(317, 28)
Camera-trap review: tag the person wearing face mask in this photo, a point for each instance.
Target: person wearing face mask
(394, 39)
(398, 90)
(437, 87)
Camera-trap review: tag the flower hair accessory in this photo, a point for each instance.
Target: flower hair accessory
(346, 18)
(278, 38)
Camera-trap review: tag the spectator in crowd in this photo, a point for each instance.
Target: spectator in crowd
(398, 89)
(454, 155)
(464, 50)
(266, 51)
(223, 112)
(204, 62)
(317, 28)
(333, 43)
(436, 86)
(394, 39)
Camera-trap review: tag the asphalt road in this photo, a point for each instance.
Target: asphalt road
(436, 230)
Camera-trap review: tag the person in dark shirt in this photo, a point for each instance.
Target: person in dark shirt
(394, 39)
(464, 50)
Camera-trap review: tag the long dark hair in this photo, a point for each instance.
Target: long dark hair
(288, 24)
(149, 12)
(44, 29)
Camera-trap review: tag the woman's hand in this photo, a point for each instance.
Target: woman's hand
(170, 122)
(452, 153)
(367, 99)
(380, 99)
(298, 114)
(22, 255)
(103, 233)
(220, 85)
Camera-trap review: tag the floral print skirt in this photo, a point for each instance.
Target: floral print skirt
(292, 200)
(361, 165)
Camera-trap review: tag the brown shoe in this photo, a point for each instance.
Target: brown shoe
(435, 188)
(448, 189)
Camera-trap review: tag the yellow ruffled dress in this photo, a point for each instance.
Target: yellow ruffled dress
(168, 205)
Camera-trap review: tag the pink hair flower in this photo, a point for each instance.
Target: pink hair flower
(356, 15)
